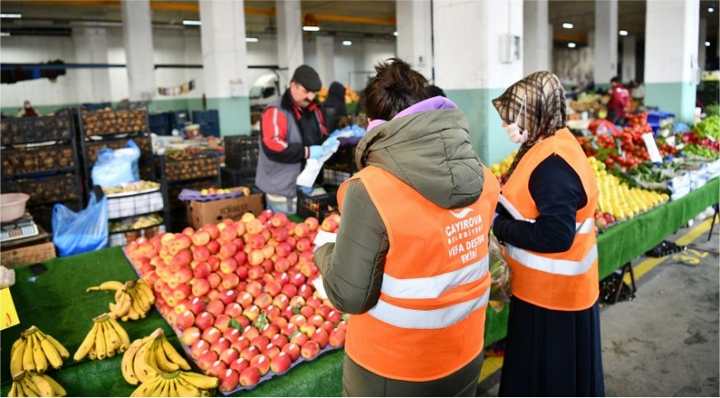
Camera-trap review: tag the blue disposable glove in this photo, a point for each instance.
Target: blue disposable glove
(330, 144)
(316, 152)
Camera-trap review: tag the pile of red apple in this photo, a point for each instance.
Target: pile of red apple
(239, 294)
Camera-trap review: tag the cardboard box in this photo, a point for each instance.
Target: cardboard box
(202, 213)
(28, 255)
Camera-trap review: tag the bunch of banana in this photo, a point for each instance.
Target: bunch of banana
(34, 350)
(150, 356)
(133, 299)
(177, 384)
(105, 339)
(33, 384)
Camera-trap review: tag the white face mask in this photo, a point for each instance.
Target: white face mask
(513, 130)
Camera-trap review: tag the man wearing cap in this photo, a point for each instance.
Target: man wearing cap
(293, 129)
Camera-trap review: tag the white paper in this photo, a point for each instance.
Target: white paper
(319, 287)
(322, 238)
(312, 168)
(652, 148)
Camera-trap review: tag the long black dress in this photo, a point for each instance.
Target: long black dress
(548, 352)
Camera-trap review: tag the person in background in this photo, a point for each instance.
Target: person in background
(434, 91)
(418, 302)
(293, 129)
(334, 106)
(619, 101)
(27, 110)
(546, 222)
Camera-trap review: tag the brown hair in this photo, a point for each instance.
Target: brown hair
(395, 87)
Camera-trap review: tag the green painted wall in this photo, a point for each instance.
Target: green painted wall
(488, 138)
(234, 114)
(678, 98)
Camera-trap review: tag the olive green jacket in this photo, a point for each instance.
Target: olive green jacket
(431, 152)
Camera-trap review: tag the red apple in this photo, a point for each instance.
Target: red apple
(299, 339)
(305, 291)
(228, 266)
(241, 344)
(328, 326)
(201, 238)
(213, 295)
(214, 279)
(262, 363)
(245, 299)
(281, 363)
(249, 353)
(308, 329)
(204, 320)
(254, 288)
(233, 310)
(307, 311)
(232, 334)
(252, 313)
(289, 290)
(251, 332)
(213, 247)
(242, 272)
(297, 279)
(222, 322)
(260, 342)
(297, 302)
(337, 338)
(263, 300)
(334, 316)
(229, 356)
(281, 301)
(242, 321)
(256, 257)
(218, 368)
(310, 350)
(199, 347)
(215, 307)
(292, 350)
(185, 320)
(229, 380)
(298, 320)
(280, 322)
(269, 331)
(256, 272)
(220, 346)
(290, 329)
(200, 287)
(312, 223)
(211, 335)
(201, 270)
(227, 250)
(321, 337)
(249, 377)
(190, 336)
(228, 296)
(239, 364)
(206, 359)
(214, 263)
(300, 230)
(292, 257)
(279, 340)
(278, 220)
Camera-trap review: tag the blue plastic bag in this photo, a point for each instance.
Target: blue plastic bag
(84, 231)
(115, 167)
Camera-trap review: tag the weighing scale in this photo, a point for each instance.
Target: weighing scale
(24, 227)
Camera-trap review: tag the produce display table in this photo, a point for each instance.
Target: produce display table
(56, 302)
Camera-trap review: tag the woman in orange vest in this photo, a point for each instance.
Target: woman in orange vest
(548, 200)
(411, 258)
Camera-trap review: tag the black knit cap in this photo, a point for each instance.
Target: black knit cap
(307, 77)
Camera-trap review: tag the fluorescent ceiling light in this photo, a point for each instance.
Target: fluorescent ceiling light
(11, 15)
(191, 22)
(251, 40)
(4, 34)
(567, 25)
(623, 33)
(572, 45)
(309, 28)
(395, 33)
(707, 44)
(711, 10)
(347, 43)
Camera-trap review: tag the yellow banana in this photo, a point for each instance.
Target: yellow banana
(146, 291)
(58, 390)
(199, 380)
(122, 334)
(121, 305)
(145, 389)
(172, 388)
(163, 363)
(28, 361)
(39, 358)
(135, 306)
(16, 356)
(173, 355)
(109, 285)
(134, 292)
(127, 362)
(100, 347)
(164, 390)
(86, 345)
(108, 339)
(143, 371)
(59, 347)
(41, 385)
(50, 351)
(19, 390)
(30, 389)
(13, 390)
(185, 389)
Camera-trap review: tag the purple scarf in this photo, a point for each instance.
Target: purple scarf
(430, 104)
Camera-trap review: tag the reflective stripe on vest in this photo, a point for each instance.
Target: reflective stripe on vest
(427, 319)
(433, 286)
(584, 227)
(553, 265)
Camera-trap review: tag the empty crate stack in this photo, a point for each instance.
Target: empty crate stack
(241, 157)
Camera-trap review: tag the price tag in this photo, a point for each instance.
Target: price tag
(652, 148)
(8, 314)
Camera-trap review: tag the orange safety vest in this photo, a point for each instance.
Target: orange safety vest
(566, 281)
(429, 320)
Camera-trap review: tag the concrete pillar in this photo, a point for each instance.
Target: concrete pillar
(551, 47)
(670, 76)
(605, 47)
(414, 39)
(193, 55)
(289, 38)
(628, 58)
(475, 31)
(91, 46)
(537, 43)
(224, 59)
(137, 36)
(702, 50)
(325, 50)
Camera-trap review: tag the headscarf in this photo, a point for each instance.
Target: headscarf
(543, 97)
(336, 99)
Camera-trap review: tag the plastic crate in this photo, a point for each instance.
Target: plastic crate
(113, 122)
(92, 148)
(317, 204)
(46, 190)
(343, 159)
(334, 177)
(178, 119)
(655, 118)
(179, 170)
(209, 116)
(37, 159)
(127, 206)
(160, 123)
(241, 153)
(210, 129)
(22, 130)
